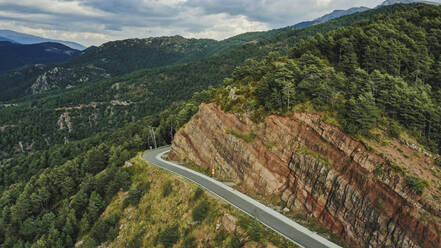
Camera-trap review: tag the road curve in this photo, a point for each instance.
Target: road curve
(267, 216)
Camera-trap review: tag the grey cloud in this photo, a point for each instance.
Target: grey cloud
(277, 12)
(151, 8)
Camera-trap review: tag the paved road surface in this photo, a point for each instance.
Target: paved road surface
(267, 216)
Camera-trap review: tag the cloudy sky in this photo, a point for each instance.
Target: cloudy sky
(92, 22)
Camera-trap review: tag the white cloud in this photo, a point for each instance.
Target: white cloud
(322, 3)
(221, 26)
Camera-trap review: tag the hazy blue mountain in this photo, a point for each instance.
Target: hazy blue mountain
(331, 16)
(32, 39)
(339, 13)
(15, 55)
(6, 39)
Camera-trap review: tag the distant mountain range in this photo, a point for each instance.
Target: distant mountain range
(104, 62)
(67, 130)
(19, 49)
(391, 2)
(117, 58)
(339, 13)
(15, 55)
(6, 39)
(333, 15)
(25, 39)
(22, 38)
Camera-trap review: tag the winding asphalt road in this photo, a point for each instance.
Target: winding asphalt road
(267, 216)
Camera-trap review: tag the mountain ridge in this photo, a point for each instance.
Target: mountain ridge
(354, 153)
(144, 92)
(17, 55)
(6, 39)
(101, 63)
(27, 39)
(97, 68)
(339, 13)
(331, 16)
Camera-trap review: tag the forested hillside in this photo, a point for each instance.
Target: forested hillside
(109, 60)
(363, 76)
(41, 121)
(17, 55)
(343, 129)
(125, 56)
(85, 193)
(380, 73)
(117, 58)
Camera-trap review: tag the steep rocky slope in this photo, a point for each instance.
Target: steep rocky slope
(353, 189)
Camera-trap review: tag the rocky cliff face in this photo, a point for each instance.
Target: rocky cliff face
(313, 168)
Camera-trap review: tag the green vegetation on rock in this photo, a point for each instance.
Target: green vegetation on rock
(358, 75)
(247, 137)
(417, 184)
(200, 211)
(64, 179)
(63, 115)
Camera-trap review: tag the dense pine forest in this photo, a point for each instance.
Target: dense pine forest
(377, 69)
(375, 73)
(33, 121)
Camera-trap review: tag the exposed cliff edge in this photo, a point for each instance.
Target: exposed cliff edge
(316, 169)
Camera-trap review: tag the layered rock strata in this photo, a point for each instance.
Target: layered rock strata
(314, 168)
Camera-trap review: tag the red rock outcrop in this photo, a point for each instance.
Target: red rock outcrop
(315, 168)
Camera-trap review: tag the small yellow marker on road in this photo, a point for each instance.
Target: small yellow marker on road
(212, 172)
